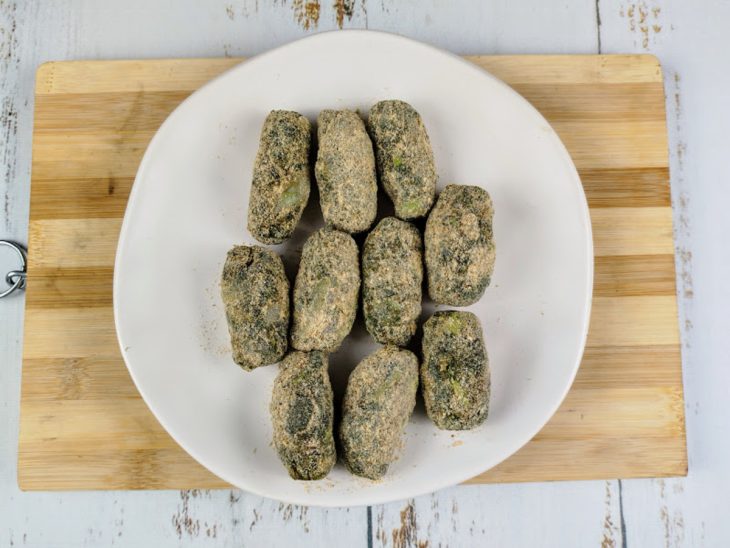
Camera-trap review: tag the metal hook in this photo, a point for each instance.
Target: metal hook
(15, 278)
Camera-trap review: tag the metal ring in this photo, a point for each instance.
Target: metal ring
(13, 274)
(17, 275)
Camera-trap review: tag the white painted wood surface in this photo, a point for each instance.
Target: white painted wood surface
(691, 40)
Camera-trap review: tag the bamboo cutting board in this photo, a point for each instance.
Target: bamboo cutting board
(83, 424)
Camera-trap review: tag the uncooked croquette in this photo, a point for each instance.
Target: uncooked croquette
(404, 157)
(325, 291)
(281, 181)
(455, 379)
(255, 292)
(345, 171)
(392, 275)
(302, 416)
(459, 245)
(379, 400)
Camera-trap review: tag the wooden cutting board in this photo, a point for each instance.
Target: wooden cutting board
(83, 424)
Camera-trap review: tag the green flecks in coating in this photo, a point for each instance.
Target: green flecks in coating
(255, 292)
(379, 400)
(345, 171)
(455, 378)
(457, 390)
(292, 196)
(325, 291)
(302, 416)
(453, 324)
(459, 245)
(404, 157)
(392, 273)
(280, 184)
(319, 294)
(410, 208)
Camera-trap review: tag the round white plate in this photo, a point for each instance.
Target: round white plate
(188, 207)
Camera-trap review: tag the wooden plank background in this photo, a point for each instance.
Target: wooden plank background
(83, 425)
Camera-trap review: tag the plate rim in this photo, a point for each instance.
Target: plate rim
(436, 485)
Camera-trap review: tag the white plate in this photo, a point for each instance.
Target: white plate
(188, 207)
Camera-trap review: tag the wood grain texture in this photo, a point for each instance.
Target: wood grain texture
(83, 425)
